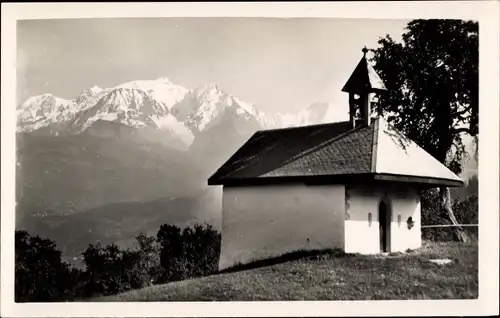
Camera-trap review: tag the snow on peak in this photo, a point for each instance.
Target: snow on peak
(162, 90)
(90, 97)
(89, 93)
(161, 105)
(249, 108)
(206, 105)
(43, 110)
(208, 90)
(95, 89)
(129, 106)
(214, 91)
(34, 100)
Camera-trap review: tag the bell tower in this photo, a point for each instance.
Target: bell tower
(362, 86)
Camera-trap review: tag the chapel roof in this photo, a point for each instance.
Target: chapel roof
(333, 152)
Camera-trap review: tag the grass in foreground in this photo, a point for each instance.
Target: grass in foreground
(330, 277)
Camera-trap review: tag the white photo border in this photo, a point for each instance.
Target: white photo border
(486, 12)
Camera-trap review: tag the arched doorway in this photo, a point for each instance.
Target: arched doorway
(384, 219)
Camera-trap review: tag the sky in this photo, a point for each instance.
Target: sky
(278, 64)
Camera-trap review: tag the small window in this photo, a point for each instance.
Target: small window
(410, 223)
(369, 219)
(399, 220)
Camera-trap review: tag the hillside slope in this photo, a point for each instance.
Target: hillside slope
(119, 223)
(61, 175)
(350, 277)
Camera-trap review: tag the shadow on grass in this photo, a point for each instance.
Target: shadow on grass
(302, 254)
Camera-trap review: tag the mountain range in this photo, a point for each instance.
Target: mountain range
(114, 162)
(156, 104)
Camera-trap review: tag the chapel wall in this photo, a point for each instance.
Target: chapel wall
(362, 233)
(267, 221)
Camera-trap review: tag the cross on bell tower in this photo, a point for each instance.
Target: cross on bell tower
(362, 85)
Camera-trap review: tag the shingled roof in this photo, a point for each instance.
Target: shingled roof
(332, 153)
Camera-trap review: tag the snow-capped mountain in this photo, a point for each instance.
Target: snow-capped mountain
(203, 107)
(43, 110)
(158, 105)
(48, 111)
(128, 106)
(88, 95)
(161, 90)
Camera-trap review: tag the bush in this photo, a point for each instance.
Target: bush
(110, 270)
(467, 210)
(143, 264)
(432, 211)
(105, 270)
(40, 275)
(192, 252)
(174, 254)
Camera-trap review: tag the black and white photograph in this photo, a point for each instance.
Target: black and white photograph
(242, 159)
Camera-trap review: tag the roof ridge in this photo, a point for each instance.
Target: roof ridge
(303, 126)
(405, 144)
(316, 148)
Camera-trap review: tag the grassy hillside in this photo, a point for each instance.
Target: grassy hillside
(330, 277)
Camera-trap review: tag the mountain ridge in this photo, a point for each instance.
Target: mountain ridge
(177, 108)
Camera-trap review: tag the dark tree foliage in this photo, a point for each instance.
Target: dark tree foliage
(174, 254)
(465, 205)
(40, 274)
(202, 248)
(105, 270)
(171, 255)
(143, 263)
(191, 252)
(110, 270)
(433, 85)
